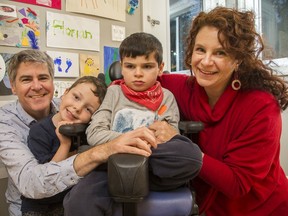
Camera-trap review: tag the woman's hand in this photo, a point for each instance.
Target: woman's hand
(163, 131)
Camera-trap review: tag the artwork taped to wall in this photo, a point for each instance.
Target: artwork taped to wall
(65, 31)
(89, 65)
(22, 31)
(56, 4)
(5, 87)
(60, 87)
(111, 54)
(102, 8)
(66, 64)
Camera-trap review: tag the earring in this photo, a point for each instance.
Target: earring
(236, 84)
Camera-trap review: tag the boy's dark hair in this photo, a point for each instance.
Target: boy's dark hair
(141, 44)
(101, 87)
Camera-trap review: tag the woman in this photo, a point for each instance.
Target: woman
(239, 100)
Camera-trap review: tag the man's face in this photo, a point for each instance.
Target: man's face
(34, 87)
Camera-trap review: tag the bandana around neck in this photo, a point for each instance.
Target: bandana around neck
(151, 98)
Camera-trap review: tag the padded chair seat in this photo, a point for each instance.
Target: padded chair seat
(168, 203)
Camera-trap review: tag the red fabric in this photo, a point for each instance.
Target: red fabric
(241, 173)
(150, 98)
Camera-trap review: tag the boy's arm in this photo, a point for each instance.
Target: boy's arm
(99, 130)
(171, 114)
(65, 143)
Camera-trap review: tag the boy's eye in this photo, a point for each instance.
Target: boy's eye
(148, 66)
(130, 66)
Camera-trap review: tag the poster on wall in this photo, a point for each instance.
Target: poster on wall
(5, 87)
(66, 31)
(89, 65)
(108, 9)
(56, 4)
(111, 54)
(22, 31)
(65, 64)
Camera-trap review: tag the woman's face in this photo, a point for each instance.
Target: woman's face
(211, 64)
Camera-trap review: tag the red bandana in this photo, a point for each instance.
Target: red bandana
(150, 98)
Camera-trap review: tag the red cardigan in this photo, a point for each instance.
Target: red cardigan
(241, 173)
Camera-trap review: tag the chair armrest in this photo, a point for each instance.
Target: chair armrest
(128, 177)
(77, 133)
(188, 127)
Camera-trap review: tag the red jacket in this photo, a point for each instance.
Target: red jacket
(241, 173)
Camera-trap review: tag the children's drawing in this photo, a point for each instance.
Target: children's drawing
(111, 9)
(132, 6)
(22, 31)
(65, 64)
(60, 87)
(66, 31)
(111, 54)
(5, 87)
(89, 65)
(56, 4)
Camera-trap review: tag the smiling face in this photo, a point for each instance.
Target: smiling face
(34, 87)
(79, 103)
(211, 64)
(141, 73)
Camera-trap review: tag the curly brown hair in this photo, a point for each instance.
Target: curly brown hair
(238, 36)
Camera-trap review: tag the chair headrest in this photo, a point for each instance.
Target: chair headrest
(115, 71)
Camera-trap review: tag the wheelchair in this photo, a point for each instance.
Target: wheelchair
(128, 176)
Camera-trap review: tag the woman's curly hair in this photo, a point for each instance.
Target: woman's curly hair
(238, 36)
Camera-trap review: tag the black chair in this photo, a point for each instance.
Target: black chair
(128, 176)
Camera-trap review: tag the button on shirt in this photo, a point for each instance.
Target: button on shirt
(25, 175)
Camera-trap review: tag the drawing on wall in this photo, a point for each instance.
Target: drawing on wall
(132, 6)
(22, 31)
(65, 31)
(56, 4)
(5, 87)
(89, 65)
(111, 54)
(8, 10)
(102, 8)
(60, 87)
(65, 64)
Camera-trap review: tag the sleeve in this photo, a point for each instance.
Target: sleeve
(33, 180)
(171, 115)
(250, 161)
(99, 130)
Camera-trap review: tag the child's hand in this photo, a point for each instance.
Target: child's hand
(64, 140)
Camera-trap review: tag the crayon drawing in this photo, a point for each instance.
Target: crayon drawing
(65, 64)
(66, 31)
(111, 54)
(111, 9)
(22, 31)
(60, 87)
(89, 65)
